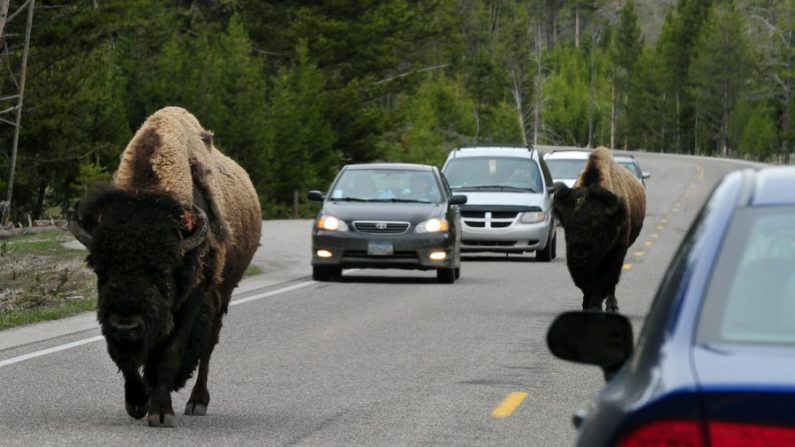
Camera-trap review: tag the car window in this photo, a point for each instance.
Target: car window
(633, 167)
(563, 168)
(511, 172)
(386, 184)
(751, 298)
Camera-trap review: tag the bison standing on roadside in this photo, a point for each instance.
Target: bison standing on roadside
(602, 216)
(168, 240)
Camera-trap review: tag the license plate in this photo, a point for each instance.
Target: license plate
(380, 248)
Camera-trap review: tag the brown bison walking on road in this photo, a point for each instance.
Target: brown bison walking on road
(602, 216)
(168, 240)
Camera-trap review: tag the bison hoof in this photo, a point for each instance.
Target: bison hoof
(136, 411)
(195, 409)
(162, 420)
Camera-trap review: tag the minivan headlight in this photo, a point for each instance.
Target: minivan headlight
(331, 223)
(434, 225)
(533, 217)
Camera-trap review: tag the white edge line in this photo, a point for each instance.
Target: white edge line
(85, 341)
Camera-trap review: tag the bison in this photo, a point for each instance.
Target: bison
(169, 240)
(601, 215)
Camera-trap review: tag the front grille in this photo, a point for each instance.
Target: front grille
(378, 227)
(488, 219)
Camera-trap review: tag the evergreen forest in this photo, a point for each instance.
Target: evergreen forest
(293, 90)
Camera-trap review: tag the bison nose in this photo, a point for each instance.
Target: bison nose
(128, 329)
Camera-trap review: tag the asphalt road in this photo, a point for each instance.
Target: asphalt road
(385, 357)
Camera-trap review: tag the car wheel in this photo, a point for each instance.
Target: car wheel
(326, 273)
(457, 272)
(554, 244)
(446, 275)
(547, 254)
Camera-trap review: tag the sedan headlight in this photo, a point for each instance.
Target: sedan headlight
(331, 223)
(434, 225)
(533, 217)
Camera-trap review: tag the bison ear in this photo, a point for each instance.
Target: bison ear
(611, 203)
(194, 223)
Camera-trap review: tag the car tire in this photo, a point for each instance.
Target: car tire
(548, 253)
(446, 275)
(326, 273)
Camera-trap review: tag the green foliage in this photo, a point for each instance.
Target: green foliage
(303, 157)
(88, 173)
(759, 137)
(568, 97)
(292, 90)
(719, 73)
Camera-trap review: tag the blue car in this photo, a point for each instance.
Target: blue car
(715, 362)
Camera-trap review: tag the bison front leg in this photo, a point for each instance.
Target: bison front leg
(136, 397)
(200, 396)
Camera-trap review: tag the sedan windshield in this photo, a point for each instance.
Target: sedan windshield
(751, 298)
(562, 168)
(493, 173)
(386, 185)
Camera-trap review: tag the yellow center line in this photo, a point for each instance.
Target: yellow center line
(509, 404)
(660, 227)
(647, 243)
(655, 235)
(639, 253)
(627, 266)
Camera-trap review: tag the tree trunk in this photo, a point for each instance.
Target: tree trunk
(539, 86)
(577, 26)
(4, 4)
(613, 114)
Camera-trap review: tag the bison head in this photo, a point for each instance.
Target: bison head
(144, 250)
(592, 218)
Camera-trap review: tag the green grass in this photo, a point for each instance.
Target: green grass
(42, 280)
(253, 270)
(12, 318)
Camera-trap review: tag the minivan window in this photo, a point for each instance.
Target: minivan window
(493, 172)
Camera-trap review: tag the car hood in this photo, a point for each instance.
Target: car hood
(384, 211)
(524, 199)
(751, 366)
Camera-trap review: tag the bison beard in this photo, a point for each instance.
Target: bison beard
(168, 241)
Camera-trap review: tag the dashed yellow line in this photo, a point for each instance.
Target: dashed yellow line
(655, 235)
(509, 404)
(627, 266)
(647, 243)
(638, 254)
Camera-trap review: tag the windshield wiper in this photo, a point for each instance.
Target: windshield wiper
(497, 187)
(351, 199)
(396, 200)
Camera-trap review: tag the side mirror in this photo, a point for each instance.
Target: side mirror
(592, 338)
(458, 199)
(645, 174)
(316, 196)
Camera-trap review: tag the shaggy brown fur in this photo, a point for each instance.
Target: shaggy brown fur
(603, 171)
(162, 298)
(172, 153)
(601, 215)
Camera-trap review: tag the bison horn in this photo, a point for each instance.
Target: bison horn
(199, 233)
(76, 229)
